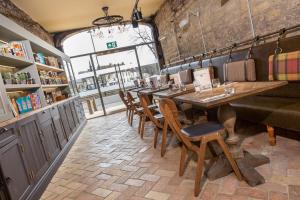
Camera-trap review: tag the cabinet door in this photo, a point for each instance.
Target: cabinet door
(7, 134)
(61, 135)
(70, 118)
(50, 140)
(34, 148)
(14, 171)
(74, 113)
(64, 120)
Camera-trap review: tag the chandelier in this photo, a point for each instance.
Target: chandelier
(107, 20)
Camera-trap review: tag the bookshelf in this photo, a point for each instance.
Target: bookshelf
(29, 66)
(41, 66)
(14, 61)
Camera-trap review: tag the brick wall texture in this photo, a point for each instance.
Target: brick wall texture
(221, 25)
(11, 11)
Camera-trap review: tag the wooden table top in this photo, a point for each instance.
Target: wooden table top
(136, 89)
(242, 89)
(150, 91)
(174, 93)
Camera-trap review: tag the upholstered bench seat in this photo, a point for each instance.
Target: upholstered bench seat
(273, 111)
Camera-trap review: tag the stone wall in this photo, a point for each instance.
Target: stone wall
(214, 26)
(11, 11)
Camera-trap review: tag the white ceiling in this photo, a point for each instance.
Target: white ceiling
(60, 15)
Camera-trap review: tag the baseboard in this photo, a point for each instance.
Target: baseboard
(41, 186)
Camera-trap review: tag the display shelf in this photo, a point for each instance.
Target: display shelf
(14, 61)
(41, 66)
(54, 86)
(20, 87)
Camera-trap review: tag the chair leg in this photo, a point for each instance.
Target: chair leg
(140, 122)
(127, 111)
(131, 117)
(272, 136)
(182, 159)
(129, 114)
(143, 126)
(200, 163)
(155, 136)
(230, 158)
(164, 139)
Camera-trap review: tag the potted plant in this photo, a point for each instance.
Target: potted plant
(7, 78)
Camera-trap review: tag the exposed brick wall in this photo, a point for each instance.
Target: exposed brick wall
(221, 25)
(11, 11)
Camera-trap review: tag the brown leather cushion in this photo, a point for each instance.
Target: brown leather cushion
(202, 129)
(292, 90)
(274, 111)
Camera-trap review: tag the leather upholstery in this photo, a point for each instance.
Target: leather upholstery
(202, 129)
(274, 111)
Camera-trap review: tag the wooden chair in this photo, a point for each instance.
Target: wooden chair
(124, 100)
(203, 133)
(157, 120)
(135, 110)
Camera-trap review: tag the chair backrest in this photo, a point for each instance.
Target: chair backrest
(130, 100)
(145, 103)
(122, 96)
(170, 112)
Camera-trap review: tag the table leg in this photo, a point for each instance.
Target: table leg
(245, 161)
(227, 116)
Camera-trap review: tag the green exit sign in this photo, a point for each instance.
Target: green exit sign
(111, 45)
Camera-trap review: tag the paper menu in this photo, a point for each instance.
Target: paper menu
(202, 78)
(154, 82)
(176, 78)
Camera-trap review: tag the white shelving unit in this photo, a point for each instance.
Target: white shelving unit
(15, 61)
(10, 31)
(41, 66)
(21, 87)
(54, 86)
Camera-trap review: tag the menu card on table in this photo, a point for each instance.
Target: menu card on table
(154, 82)
(202, 78)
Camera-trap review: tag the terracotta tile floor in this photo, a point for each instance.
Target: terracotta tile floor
(110, 161)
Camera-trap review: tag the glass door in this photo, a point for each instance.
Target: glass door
(116, 71)
(88, 86)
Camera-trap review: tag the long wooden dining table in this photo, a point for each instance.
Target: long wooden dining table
(216, 97)
(171, 93)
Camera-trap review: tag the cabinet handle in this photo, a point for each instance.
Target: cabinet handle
(53, 108)
(44, 112)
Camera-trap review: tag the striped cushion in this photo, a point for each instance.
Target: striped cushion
(287, 67)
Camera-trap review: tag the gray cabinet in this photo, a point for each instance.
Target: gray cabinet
(48, 134)
(61, 135)
(7, 134)
(64, 119)
(70, 118)
(14, 171)
(74, 113)
(34, 146)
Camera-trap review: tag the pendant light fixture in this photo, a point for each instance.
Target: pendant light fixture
(107, 20)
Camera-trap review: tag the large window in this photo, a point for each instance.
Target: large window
(115, 70)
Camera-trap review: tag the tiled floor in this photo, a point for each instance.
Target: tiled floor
(110, 161)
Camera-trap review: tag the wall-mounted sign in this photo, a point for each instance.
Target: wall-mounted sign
(111, 45)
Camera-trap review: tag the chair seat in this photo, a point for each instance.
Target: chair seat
(158, 116)
(202, 129)
(136, 103)
(140, 110)
(152, 106)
